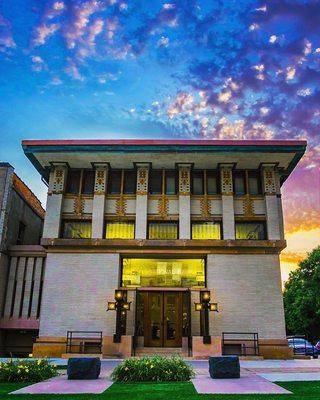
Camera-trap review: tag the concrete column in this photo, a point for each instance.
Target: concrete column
(195, 315)
(57, 181)
(142, 201)
(227, 201)
(98, 208)
(12, 276)
(184, 201)
(131, 317)
(273, 214)
(27, 289)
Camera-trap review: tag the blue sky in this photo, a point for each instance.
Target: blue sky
(233, 69)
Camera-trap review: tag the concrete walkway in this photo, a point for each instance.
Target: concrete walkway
(61, 385)
(248, 383)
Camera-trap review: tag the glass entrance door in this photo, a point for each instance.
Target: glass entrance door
(163, 319)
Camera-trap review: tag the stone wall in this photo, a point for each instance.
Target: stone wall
(248, 290)
(76, 289)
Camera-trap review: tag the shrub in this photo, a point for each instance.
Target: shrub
(156, 368)
(26, 371)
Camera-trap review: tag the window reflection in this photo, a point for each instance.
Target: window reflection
(250, 230)
(141, 272)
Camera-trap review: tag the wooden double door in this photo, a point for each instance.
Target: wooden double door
(163, 319)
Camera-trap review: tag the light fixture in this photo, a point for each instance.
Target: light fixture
(112, 306)
(126, 305)
(198, 306)
(205, 296)
(119, 295)
(213, 307)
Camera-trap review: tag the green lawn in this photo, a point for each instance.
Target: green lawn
(167, 391)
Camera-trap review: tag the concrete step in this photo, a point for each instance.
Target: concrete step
(163, 351)
(80, 355)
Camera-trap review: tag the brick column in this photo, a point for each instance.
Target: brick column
(57, 181)
(142, 200)
(99, 199)
(184, 201)
(227, 201)
(273, 214)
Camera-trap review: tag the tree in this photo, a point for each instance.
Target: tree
(302, 298)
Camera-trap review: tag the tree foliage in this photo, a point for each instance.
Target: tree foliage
(302, 298)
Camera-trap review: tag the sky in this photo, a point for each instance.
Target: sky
(233, 69)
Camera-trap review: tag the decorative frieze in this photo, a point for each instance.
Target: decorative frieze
(121, 206)
(163, 207)
(226, 179)
(184, 180)
(269, 180)
(100, 182)
(57, 179)
(142, 179)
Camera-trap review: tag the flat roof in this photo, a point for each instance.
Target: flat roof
(123, 153)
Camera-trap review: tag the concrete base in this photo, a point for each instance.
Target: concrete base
(80, 355)
(49, 347)
(119, 350)
(275, 349)
(203, 351)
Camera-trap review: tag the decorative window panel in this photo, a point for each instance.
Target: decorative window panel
(250, 230)
(162, 230)
(119, 230)
(76, 229)
(206, 230)
(144, 272)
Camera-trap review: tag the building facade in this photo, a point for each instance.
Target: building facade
(166, 224)
(21, 223)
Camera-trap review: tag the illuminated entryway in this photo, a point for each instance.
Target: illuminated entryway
(163, 296)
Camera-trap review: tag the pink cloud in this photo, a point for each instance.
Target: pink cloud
(73, 71)
(6, 38)
(43, 32)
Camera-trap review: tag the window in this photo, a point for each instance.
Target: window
(76, 229)
(130, 177)
(163, 272)
(254, 182)
(21, 232)
(80, 181)
(119, 230)
(73, 181)
(239, 183)
(204, 182)
(212, 184)
(170, 177)
(206, 230)
(197, 183)
(162, 181)
(162, 230)
(251, 230)
(114, 184)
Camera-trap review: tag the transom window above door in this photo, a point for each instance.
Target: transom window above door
(163, 272)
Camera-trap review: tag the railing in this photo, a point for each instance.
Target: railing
(240, 343)
(84, 342)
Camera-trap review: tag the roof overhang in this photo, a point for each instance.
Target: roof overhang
(248, 154)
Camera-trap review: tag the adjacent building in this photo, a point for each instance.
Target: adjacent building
(21, 223)
(175, 230)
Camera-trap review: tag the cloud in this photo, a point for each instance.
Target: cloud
(43, 32)
(6, 38)
(73, 71)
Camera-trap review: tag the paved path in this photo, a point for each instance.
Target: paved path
(248, 383)
(61, 385)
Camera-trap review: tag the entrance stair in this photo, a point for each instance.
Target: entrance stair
(160, 351)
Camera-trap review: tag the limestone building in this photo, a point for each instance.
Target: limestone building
(176, 230)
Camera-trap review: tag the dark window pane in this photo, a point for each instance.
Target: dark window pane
(21, 233)
(170, 182)
(254, 183)
(76, 229)
(250, 230)
(88, 182)
(115, 182)
(155, 181)
(129, 181)
(197, 182)
(239, 183)
(73, 181)
(162, 230)
(212, 187)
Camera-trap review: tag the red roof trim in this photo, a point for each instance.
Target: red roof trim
(88, 142)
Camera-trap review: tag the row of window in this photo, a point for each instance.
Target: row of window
(164, 230)
(163, 182)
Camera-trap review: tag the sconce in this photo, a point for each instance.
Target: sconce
(120, 305)
(206, 306)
